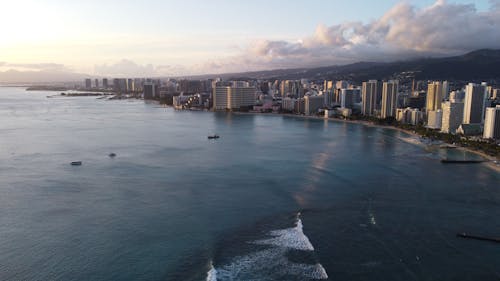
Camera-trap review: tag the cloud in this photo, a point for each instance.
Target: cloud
(125, 68)
(403, 32)
(46, 67)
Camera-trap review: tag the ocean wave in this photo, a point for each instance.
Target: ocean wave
(272, 263)
(212, 273)
(293, 238)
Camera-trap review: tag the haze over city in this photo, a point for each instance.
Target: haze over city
(174, 38)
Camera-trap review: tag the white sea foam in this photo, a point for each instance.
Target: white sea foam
(272, 263)
(212, 273)
(293, 238)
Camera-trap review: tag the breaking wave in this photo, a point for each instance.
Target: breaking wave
(272, 263)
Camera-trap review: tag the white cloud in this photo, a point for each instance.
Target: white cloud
(125, 68)
(403, 32)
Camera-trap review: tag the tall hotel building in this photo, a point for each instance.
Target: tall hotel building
(389, 99)
(434, 96)
(474, 103)
(453, 114)
(233, 98)
(492, 123)
(370, 92)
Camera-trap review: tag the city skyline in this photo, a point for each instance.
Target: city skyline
(153, 39)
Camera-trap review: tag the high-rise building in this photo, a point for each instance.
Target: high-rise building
(389, 99)
(495, 94)
(96, 83)
(453, 114)
(434, 119)
(348, 97)
(105, 84)
(88, 83)
(475, 97)
(329, 97)
(233, 98)
(312, 104)
(130, 85)
(434, 96)
(370, 92)
(446, 89)
(151, 90)
(492, 123)
(327, 85)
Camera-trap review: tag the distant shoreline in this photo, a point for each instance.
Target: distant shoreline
(490, 159)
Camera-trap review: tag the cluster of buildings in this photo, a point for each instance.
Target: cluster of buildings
(469, 110)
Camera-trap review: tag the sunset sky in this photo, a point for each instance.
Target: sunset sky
(162, 38)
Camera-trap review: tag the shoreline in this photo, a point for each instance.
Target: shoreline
(490, 164)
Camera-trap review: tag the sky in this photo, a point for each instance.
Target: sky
(187, 37)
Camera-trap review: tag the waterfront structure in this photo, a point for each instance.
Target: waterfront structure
(389, 99)
(88, 83)
(370, 92)
(233, 98)
(120, 85)
(434, 96)
(288, 104)
(312, 104)
(474, 103)
(434, 119)
(409, 115)
(151, 90)
(492, 123)
(453, 113)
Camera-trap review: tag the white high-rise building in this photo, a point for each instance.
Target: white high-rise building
(453, 114)
(434, 96)
(389, 99)
(492, 123)
(474, 103)
(434, 119)
(233, 98)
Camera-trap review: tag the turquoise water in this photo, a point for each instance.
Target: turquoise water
(275, 198)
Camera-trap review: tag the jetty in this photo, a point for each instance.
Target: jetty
(476, 237)
(456, 161)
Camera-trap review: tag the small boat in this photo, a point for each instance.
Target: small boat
(112, 155)
(213, 137)
(76, 163)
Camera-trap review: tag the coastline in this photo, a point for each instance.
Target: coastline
(490, 164)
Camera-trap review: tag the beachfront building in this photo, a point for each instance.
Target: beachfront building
(453, 113)
(389, 99)
(474, 104)
(409, 115)
(312, 104)
(233, 98)
(492, 123)
(371, 95)
(434, 119)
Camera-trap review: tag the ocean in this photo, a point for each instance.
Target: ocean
(275, 198)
